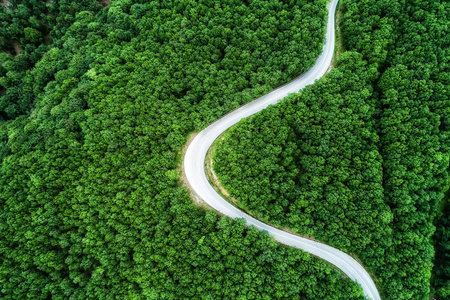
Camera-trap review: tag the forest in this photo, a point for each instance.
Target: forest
(360, 159)
(96, 101)
(441, 279)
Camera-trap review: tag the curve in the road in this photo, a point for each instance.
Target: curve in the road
(194, 167)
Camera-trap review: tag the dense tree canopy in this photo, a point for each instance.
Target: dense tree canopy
(359, 160)
(311, 163)
(441, 280)
(93, 116)
(28, 29)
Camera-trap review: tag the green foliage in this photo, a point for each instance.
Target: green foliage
(413, 109)
(311, 163)
(359, 161)
(441, 280)
(32, 35)
(90, 207)
(27, 29)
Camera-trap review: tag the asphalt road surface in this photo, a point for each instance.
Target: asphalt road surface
(194, 166)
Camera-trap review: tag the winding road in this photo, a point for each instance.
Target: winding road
(194, 166)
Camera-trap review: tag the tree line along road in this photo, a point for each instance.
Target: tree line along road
(194, 166)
